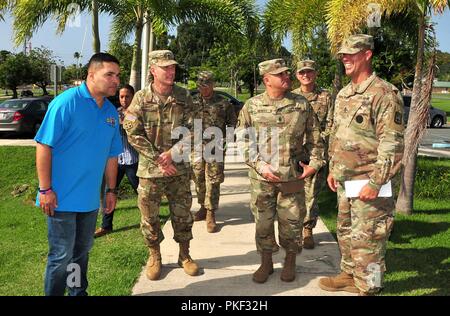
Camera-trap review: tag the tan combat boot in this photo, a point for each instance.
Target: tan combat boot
(185, 261)
(288, 272)
(153, 268)
(200, 215)
(308, 240)
(262, 274)
(211, 225)
(341, 282)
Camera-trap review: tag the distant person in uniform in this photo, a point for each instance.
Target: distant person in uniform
(322, 105)
(213, 111)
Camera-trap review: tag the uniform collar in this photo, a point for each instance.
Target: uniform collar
(154, 96)
(362, 87)
(313, 95)
(286, 100)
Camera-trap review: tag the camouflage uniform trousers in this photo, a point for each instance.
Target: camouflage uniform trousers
(268, 202)
(313, 186)
(207, 177)
(178, 192)
(363, 229)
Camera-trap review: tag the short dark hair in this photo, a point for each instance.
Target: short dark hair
(100, 58)
(128, 87)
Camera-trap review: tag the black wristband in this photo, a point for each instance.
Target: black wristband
(45, 191)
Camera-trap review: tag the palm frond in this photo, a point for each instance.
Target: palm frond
(29, 15)
(121, 27)
(230, 15)
(298, 17)
(346, 17)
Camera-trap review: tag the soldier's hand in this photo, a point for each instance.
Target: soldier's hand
(164, 159)
(368, 193)
(48, 202)
(268, 173)
(168, 170)
(332, 184)
(307, 171)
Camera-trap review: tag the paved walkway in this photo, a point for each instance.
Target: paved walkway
(229, 258)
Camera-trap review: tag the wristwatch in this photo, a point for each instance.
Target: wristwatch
(112, 190)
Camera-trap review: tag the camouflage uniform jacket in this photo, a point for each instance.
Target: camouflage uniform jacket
(294, 120)
(322, 104)
(214, 112)
(367, 137)
(149, 123)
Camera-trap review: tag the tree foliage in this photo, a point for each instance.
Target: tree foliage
(124, 53)
(40, 61)
(15, 71)
(443, 63)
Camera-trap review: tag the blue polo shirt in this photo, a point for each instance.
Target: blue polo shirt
(82, 137)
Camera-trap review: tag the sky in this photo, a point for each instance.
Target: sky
(78, 37)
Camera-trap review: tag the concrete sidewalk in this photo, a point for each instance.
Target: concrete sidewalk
(228, 258)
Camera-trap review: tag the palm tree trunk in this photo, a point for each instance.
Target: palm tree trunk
(95, 32)
(135, 76)
(406, 195)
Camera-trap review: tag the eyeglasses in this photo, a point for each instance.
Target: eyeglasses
(305, 72)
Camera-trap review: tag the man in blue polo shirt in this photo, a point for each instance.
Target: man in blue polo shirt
(78, 141)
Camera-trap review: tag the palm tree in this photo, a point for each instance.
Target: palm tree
(304, 21)
(29, 15)
(354, 14)
(128, 17)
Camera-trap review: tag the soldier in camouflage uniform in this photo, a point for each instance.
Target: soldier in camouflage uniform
(322, 104)
(155, 112)
(213, 111)
(366, 144)
(278, 122)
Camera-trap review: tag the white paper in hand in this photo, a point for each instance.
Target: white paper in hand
(353, 188)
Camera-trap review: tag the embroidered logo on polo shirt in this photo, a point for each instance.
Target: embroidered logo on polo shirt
(111, 121)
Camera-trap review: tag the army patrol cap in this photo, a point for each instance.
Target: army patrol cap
(161, 58)
(205, 78)
(273, 67)
(356, 43)
(306, 65)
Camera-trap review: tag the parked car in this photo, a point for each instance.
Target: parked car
(26, 94)
(236, 103)
(23, 115)
(436, 119)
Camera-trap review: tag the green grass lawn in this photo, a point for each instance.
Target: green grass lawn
(442, 101)
(418, 254)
